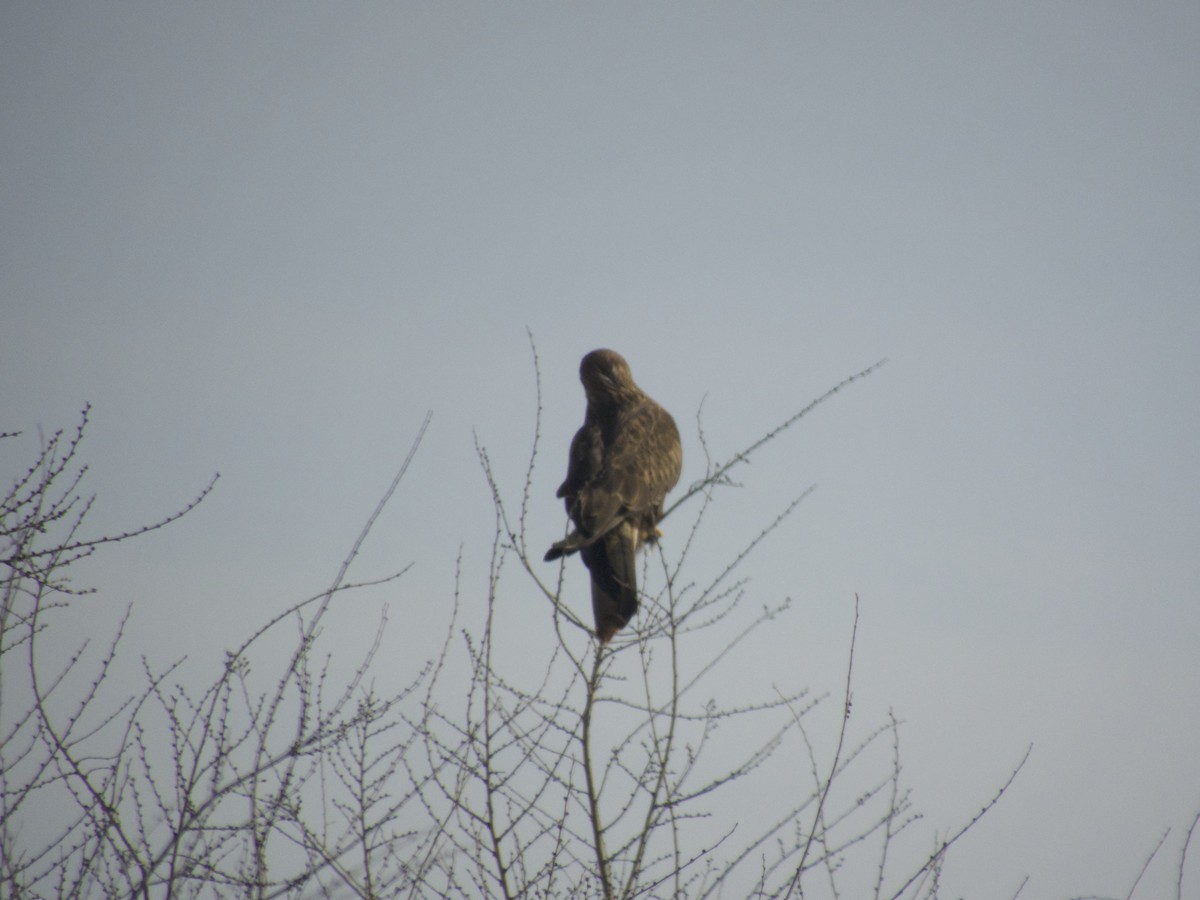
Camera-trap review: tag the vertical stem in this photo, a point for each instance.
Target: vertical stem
(589, 774)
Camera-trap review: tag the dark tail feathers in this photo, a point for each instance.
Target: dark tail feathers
(612, 563)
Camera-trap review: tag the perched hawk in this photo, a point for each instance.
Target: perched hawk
(623, 461)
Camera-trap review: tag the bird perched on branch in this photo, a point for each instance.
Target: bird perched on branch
(623, 461)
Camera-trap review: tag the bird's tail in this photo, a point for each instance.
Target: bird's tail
(612, 563)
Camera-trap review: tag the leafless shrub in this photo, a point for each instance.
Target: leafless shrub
(564, 769)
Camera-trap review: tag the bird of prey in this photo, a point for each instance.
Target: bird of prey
(623, 461)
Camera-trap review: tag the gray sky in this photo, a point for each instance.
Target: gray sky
(265, 238)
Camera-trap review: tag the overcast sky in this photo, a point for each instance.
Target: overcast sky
(264, 239)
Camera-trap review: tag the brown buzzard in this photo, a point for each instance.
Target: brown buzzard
(623, 461)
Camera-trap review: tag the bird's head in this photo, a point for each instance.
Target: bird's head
(606, 376)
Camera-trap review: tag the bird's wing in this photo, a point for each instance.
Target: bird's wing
(583, 462)
(638, 468)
